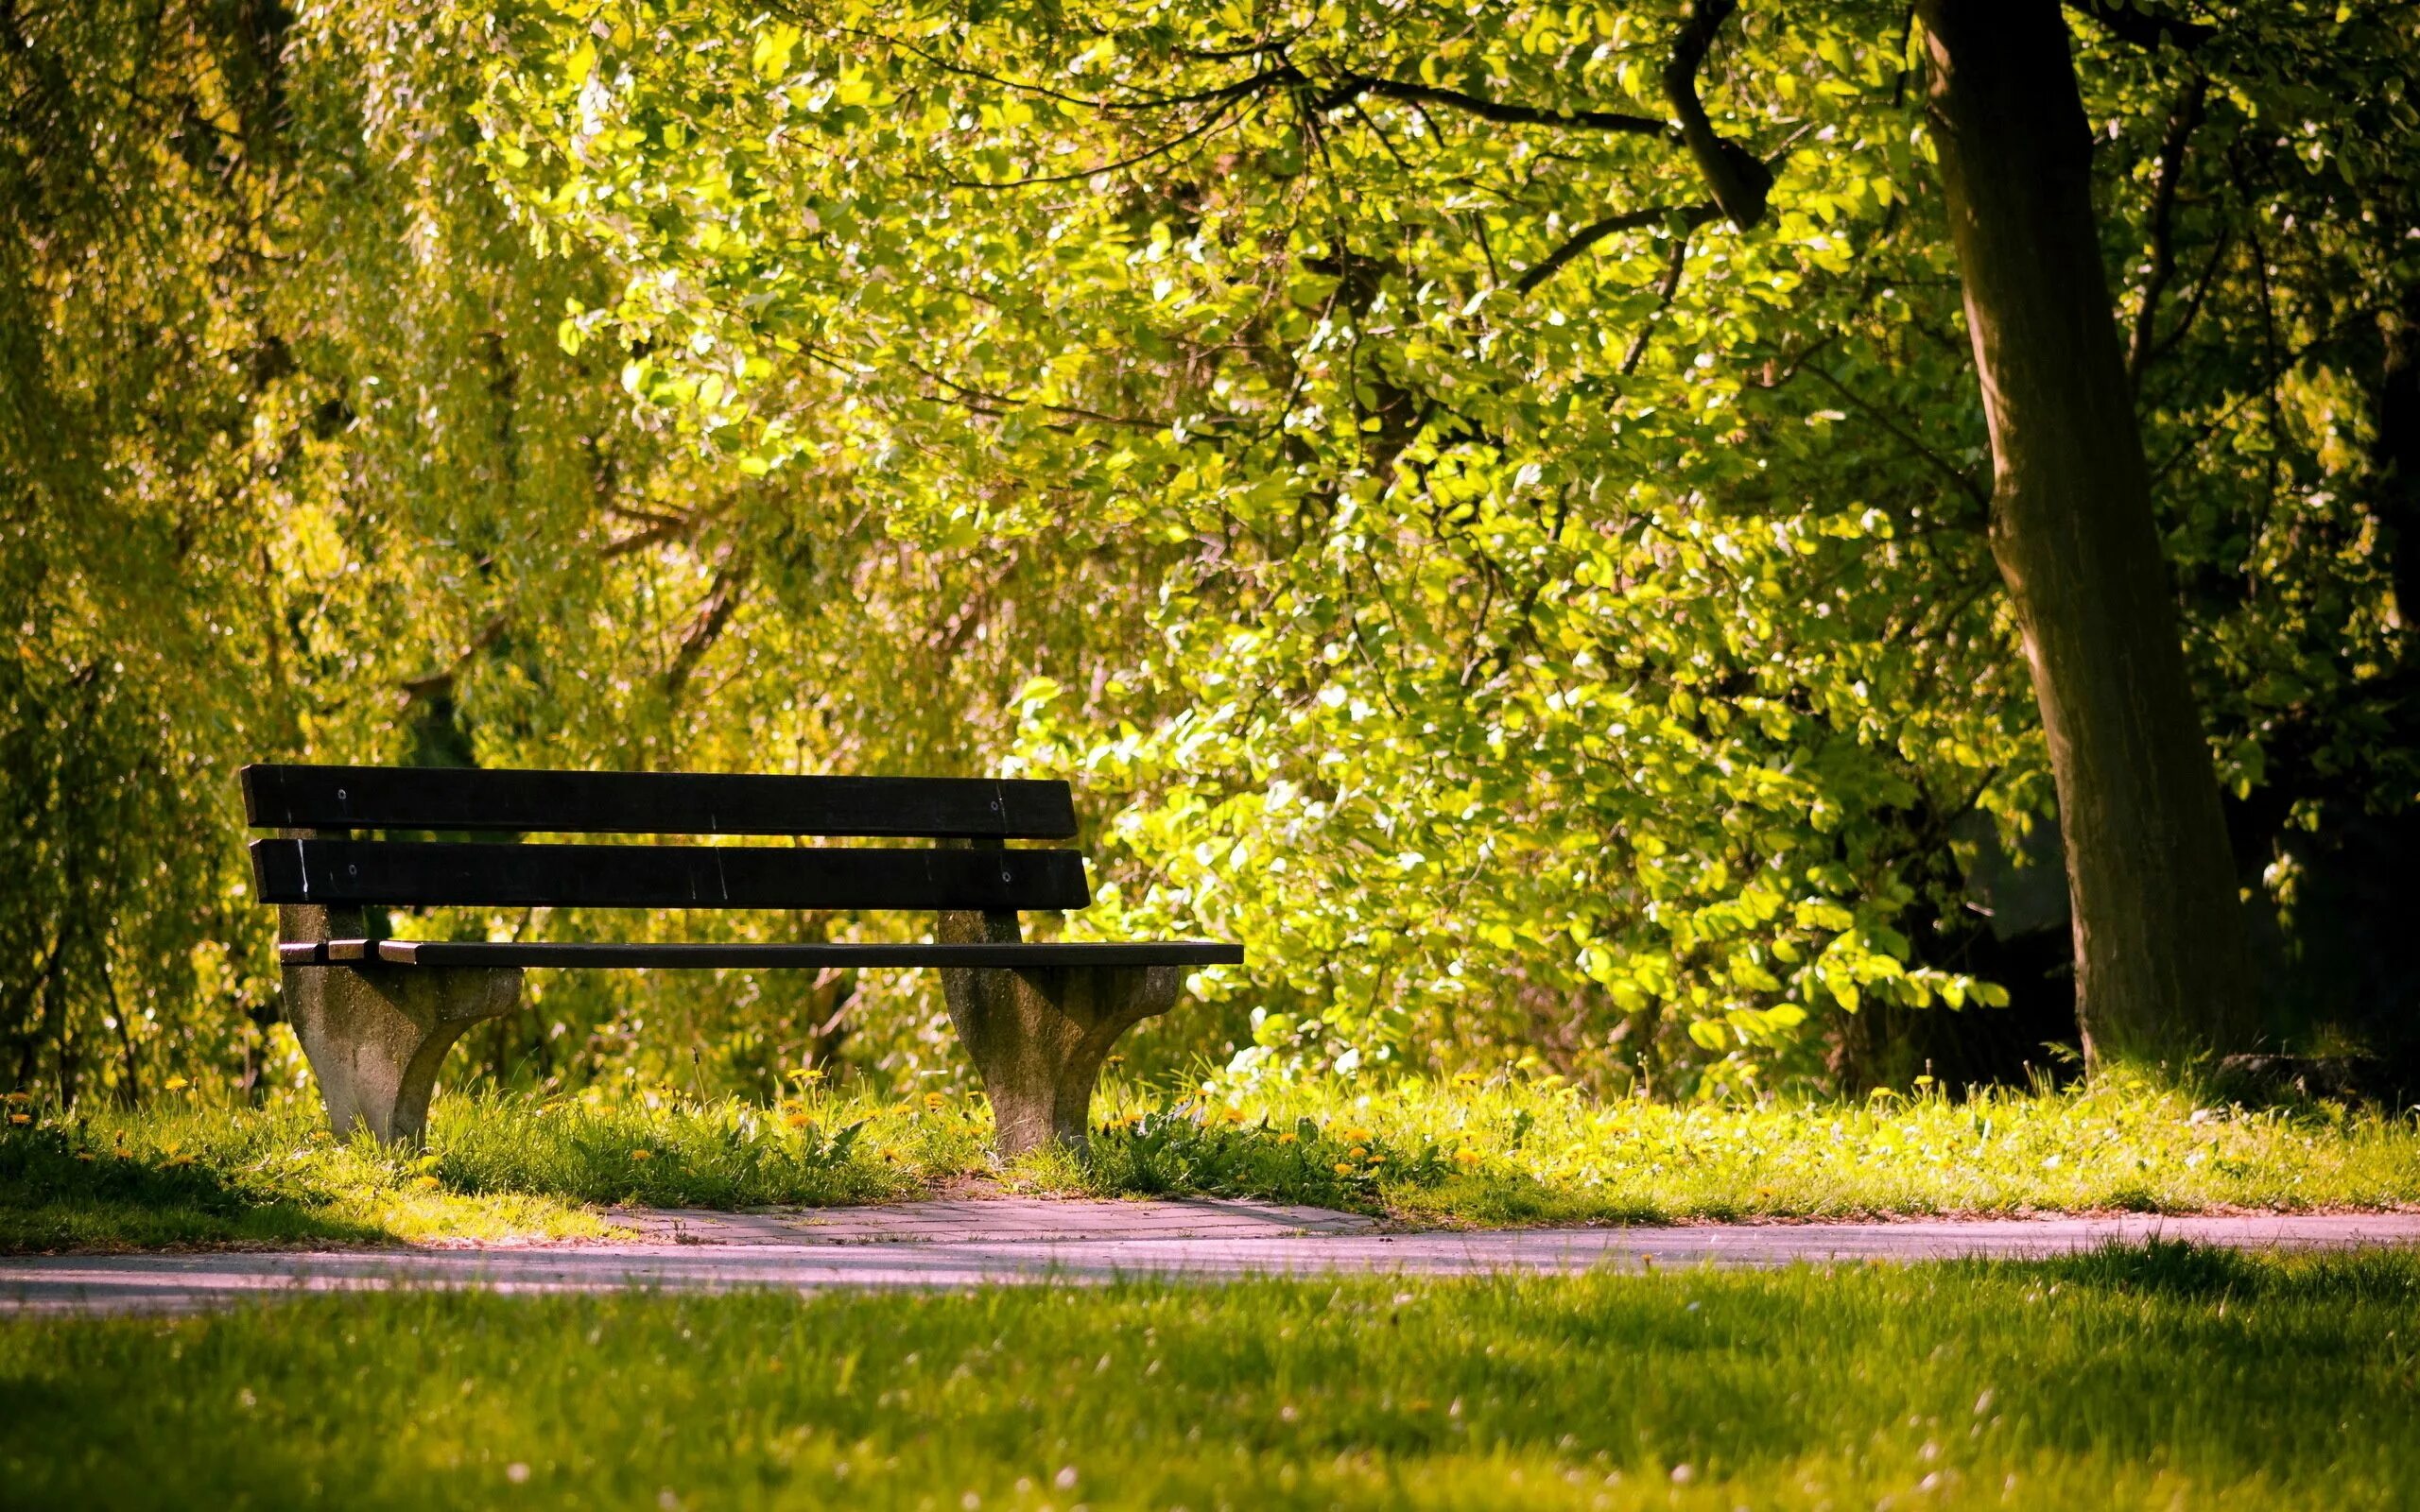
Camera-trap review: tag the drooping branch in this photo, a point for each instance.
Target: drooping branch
(1965, 483)
(437, 683)
(1668, 286)
(2145, 27)
(1351, 87)
(1689, 217)
(714, 614)
(2284, 364)
(1739, 180)
(659, 529)
(1203, 127)
(2199, 295)
(1681, 219)
(2181, 125)
(986, 402)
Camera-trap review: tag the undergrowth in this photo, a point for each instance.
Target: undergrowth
(1468, 1151)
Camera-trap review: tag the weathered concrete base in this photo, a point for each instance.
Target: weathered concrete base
(1038, 1035)
(375, 1035)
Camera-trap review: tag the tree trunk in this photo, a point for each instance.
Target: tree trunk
(2160, 971)
(2396, 458)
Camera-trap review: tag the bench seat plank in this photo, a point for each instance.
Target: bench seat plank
(426, 873)
(745, 956)
(545, 803)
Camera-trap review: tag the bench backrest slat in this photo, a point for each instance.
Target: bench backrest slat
(416, 873)
(461, 799)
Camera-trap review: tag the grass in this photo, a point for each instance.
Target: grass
(2167, 1376)
(1466, 1152)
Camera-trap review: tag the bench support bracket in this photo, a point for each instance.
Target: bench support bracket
(375, 1035)
(1038, 1035)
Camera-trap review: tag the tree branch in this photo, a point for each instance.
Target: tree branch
(437, 682)
(1690, 216)
(1212, 120)
(2143, 26)
(1664, 292)
(1739, 180)
(2201, 293)
(984, 402)
(1941, 464)
(659, 529)
(722, 602)
(2181, 125)
(1351, 86)
(2283, 366)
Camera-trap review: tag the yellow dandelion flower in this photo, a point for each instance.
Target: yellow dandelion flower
(1356, 1152)
(1343, 1168)
(800, 1120)
(176, 1084)
(642, 1155)
(1468, 1160)
(21, 1118)
(1289, 1137)
(1357, 1136)
(426, 1183)
(16, 1099)
(936, 1101)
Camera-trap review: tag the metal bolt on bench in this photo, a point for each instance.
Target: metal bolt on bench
(376, 1015)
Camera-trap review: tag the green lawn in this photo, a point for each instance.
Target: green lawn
(1427, 1153)
(2161, 1378)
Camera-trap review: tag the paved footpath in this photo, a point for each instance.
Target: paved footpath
(1023, 1240)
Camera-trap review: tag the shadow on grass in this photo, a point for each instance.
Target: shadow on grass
(1335, 1165)
(2181, 1271)
(60, 1192)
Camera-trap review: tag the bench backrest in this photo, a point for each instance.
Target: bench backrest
(330, 868)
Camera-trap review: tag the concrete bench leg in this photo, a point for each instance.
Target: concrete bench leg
(375, 1036)
(1038, 1035)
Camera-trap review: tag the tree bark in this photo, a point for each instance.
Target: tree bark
(2160, 973)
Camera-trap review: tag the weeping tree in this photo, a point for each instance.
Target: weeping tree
(294, 466)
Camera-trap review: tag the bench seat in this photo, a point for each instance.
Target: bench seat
(744, 956)
(375, 1015)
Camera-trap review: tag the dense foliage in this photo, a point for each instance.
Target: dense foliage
(1542, 612)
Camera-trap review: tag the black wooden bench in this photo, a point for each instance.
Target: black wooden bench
(376, 1015)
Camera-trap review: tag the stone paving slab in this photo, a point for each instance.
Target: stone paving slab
(174, 1282)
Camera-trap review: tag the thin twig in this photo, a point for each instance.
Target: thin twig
(2181, 125)
(1664, 293)
(1215, 118)
(1350, 87)
(1966, 484)
(1691, 217)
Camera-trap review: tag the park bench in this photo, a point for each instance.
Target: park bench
(376, 1015)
